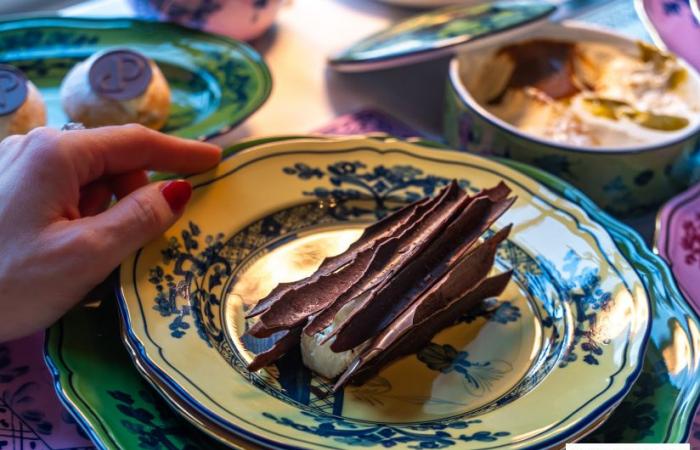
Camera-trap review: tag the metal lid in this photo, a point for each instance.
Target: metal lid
(438, 33)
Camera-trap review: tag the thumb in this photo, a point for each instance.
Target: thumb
(137, 219)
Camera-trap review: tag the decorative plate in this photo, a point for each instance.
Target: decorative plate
(215, 82)
(672, 25)
(438, 33)
(678, 240)
(576, 306)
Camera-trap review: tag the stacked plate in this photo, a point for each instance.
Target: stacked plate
(560, 356)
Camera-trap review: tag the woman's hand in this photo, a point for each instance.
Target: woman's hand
(58, 240)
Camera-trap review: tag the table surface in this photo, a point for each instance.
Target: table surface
(307, 93)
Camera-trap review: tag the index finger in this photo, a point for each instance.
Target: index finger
(115, 150)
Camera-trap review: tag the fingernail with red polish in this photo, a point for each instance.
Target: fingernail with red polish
(177, 193)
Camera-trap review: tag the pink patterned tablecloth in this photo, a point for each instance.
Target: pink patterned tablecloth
(31, 416)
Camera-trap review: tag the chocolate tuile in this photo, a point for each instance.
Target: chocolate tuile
(388, 300)
(407, 248)
(419, 239)
(384, 227)
(396, 252)
(316, 294)
(396, 342)
(464, 275)
(282, 346)
(300, 305)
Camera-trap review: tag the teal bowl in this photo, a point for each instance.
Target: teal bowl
(625, 181)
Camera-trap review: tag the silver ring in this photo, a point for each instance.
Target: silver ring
(70, 126)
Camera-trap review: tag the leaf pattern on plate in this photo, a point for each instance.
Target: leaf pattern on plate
(478, 376)
(423, 436)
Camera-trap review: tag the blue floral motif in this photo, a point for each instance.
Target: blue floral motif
(387, 187)
(139, 419)
(556, 164)
(494, 310)
(199, 272)
(676, 7)
(303, 171)
(422, 436)
(580, 286)
(191, 291)
(478, 376)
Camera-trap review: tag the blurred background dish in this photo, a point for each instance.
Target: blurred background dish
(238, 19)
(628, 181)
(215, 82)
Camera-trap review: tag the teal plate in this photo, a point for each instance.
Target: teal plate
(658, 409)
(440, 32)
(215, 82)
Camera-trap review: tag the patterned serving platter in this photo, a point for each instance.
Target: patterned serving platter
(576, 307)
(441, 32)
(678, 240)
(215, 82)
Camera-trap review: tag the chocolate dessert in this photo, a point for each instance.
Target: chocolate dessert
(407, 277)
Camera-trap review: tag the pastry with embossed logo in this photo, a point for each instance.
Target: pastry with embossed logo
(406, 278)
(116, 87)
(21, 105)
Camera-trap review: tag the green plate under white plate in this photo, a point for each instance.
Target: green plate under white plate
(441, 32)
(576, 310)
(215, 82)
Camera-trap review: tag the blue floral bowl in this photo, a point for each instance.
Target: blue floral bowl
(624, 181)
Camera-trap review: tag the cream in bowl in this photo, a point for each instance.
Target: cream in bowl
(578, 101)
(586, 93)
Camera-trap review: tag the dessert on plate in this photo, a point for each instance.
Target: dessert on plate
(407, 277)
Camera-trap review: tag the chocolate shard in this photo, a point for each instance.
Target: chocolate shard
(317, 293)
(396, 253)
(382, 229)
(383, 304)
(302, 303)
(282, 346)
(409, 333)
(415, 241)
(466, 274)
